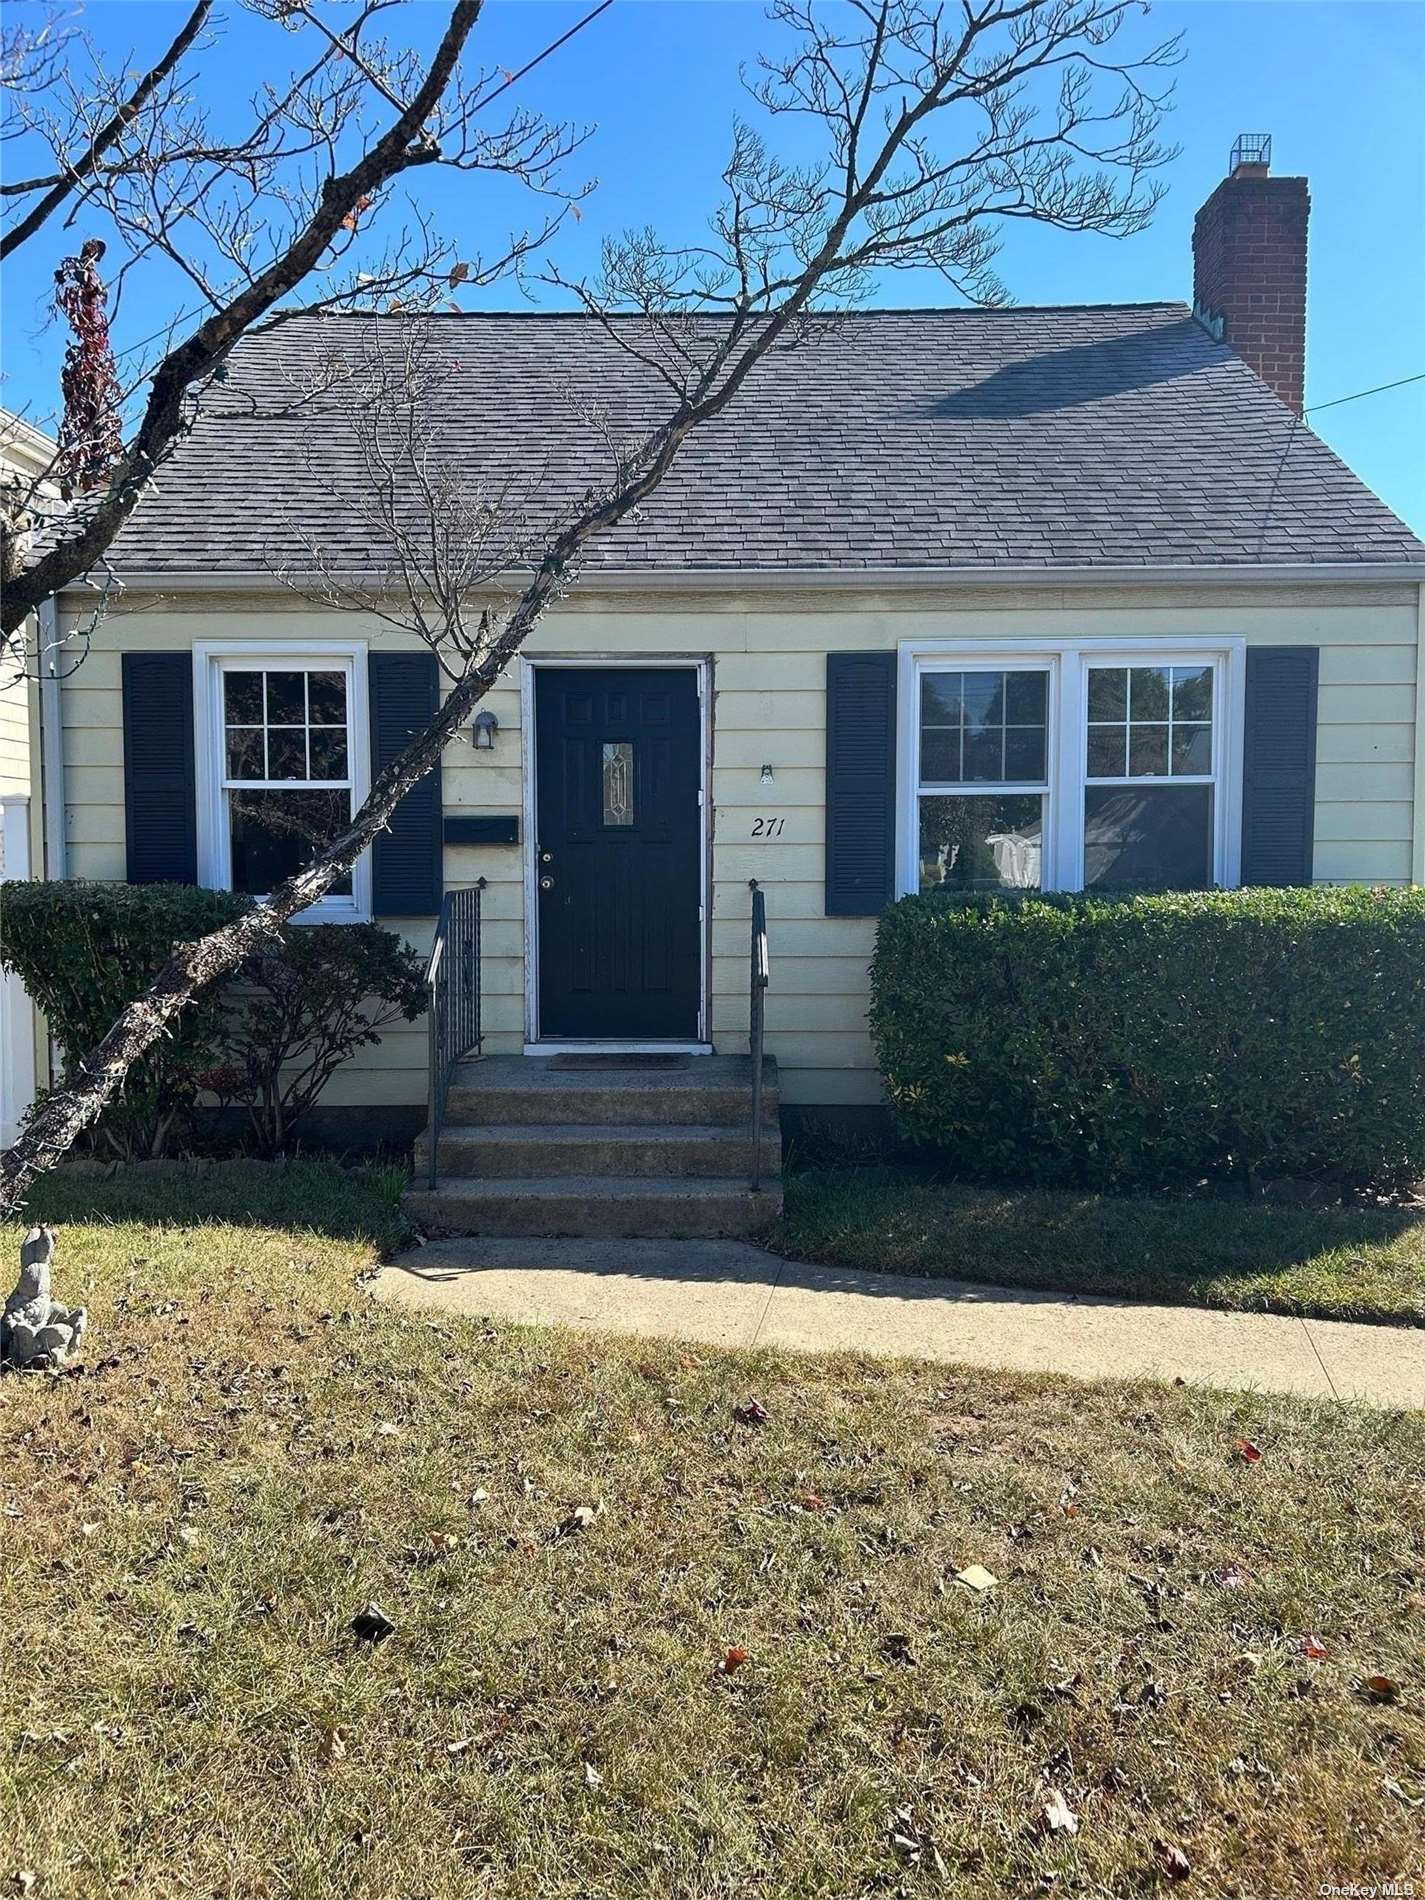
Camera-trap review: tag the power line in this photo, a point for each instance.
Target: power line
(1379, 388)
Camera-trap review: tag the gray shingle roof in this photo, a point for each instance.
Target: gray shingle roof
(1115, 435)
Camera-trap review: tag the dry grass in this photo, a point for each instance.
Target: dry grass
(258, 1449)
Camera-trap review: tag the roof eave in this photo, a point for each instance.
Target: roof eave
(787, 579)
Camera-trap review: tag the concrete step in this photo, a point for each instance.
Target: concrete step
(532, 1090)
(635, 1206)
(493, 1149)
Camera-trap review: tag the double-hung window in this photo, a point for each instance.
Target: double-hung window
(281, 758)
(1095, 764)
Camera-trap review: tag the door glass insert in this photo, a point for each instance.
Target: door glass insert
(618, 782)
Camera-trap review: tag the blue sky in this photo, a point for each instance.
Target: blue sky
(1338, 83)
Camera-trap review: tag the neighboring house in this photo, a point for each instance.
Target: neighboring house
(26, 456)
(948, 598)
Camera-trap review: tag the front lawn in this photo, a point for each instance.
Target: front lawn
(1324, 1262)
(643, 1647)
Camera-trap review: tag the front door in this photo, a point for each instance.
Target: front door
(618, 838)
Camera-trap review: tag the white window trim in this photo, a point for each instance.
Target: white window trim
(1062, 858)
(214, 855)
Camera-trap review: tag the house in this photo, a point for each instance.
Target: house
(26, 457)
(950, 598)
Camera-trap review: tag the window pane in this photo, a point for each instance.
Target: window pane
(983, 696)
(286, 699)
(286, 752)
(246, 758)
(327, 751)
(1192, 749)
(276, 833)
(243, 699)
(1155, 837)
(981, 844)
(1108, 692)
(326, 697)
(940, 699)
(1148, 751)
(1192, 692)
(1024, 753)
(1108, 751)
(940, 756)
(1148, 692)
(1004, 735)
(618, 783)
(1025, 698)
(984, 753)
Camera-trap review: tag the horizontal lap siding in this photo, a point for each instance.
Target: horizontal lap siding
(769, 680)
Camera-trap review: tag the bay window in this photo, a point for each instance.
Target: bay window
(281, 765)
(1101, 763)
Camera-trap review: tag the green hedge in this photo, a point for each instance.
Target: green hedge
(84, 950)
(1155, 1040)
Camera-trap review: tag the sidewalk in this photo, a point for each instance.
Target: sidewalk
(727, 1293)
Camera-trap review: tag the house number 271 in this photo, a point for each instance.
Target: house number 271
(767, 827)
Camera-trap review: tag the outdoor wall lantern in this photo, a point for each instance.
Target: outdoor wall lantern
(766, 775)
(485, 726)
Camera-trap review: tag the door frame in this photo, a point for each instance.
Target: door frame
(621, 662)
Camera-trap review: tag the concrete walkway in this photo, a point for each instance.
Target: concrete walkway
(727, 1293)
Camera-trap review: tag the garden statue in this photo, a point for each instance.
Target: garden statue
(35, 1332)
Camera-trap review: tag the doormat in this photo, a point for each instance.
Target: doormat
(619, 1062)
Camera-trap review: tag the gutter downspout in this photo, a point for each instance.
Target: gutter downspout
(51, 740)
(1417, 816)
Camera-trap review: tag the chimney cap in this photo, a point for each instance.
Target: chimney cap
(1252, 151)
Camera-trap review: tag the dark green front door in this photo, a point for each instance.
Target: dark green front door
(618, 837)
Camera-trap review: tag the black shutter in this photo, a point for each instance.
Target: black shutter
(1279, 765)
(160, 813)
(860, 783)
(406, 869)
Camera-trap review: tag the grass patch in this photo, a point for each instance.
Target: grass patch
(259, 1448)
(1323, 1262)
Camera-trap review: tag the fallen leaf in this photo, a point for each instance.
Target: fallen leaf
(25, 1880)
(1313, 1649)
(1382, 1688)
(372, 1625)
(1056, 1816)
(751, 1413)
(582, 1518)
(811, 1502)
(592, 1777)
(976, 1577)
(1175, 1862)
(387, 1430)
(458, 1747)
(1249, 1455)
(333, 1745)
(734, 1658)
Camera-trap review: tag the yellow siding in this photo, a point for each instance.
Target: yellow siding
(14, 737)
(768, 681)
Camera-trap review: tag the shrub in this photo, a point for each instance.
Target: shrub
(269, 1040)
(1155, 1040)
(298, 1012)
(85, 950)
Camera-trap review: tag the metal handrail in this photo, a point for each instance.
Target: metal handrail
(452, 1000)
(760, 977)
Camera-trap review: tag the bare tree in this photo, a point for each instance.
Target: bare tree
(293, 211)
(939, 121)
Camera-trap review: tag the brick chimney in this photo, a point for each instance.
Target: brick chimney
(1249, 267)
